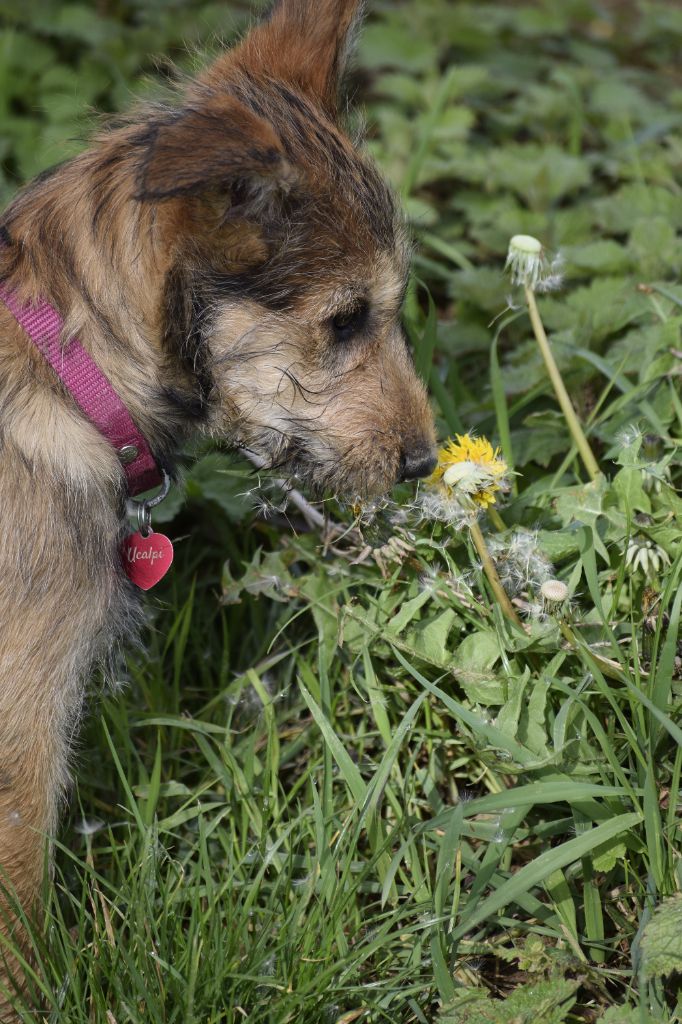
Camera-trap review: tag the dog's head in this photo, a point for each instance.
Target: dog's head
(289, 260)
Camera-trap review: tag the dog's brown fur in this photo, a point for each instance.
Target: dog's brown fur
(236, 267)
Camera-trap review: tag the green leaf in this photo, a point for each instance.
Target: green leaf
(508, 718)
(538, 1002)
(621, 210)
(625, 1015)
(605, 857)
(429, 639)
(602, 257)
(662, 940)
(473, 664)
(215, 478)
(627, 484)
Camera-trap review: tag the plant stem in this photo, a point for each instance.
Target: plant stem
(496, 519)
(560, 389)
(491, 572)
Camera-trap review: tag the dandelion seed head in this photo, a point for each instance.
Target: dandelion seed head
(554, 591)
(525, 260)
(629, 436)
(528, 264)
(442, 508)
(520, 564)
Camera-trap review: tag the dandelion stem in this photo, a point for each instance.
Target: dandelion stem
(491, 572)
(496, 519)
(559, 387)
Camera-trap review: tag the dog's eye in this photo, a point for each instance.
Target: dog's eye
(349, 322)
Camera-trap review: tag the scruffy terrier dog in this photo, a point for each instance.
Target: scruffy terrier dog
(234, 266)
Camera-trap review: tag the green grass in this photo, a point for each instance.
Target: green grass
(329, 794)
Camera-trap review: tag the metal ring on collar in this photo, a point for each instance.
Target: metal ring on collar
(143, 509)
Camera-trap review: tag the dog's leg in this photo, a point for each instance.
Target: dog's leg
(58, 610)
(31, 765)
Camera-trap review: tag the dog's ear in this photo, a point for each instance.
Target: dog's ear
(215, 146)
(307, 43)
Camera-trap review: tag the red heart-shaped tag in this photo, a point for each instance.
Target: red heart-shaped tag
(146, 560)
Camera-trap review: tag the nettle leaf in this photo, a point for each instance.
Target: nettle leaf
(390, 42)
(546, 436)
(454, 123)
(482, 287)
(625, 1015)
(620, 211)
(637, 350)
(655, 247)
(80, 22)
(595, 311)
(662, 940)
(541, 175)
(538, 1002)
(21, 57)
(616, 100)
(602, 257)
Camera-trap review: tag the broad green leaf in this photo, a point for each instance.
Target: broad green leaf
(429, 639)
(662, 940)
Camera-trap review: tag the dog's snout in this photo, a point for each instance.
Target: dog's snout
(417, 462)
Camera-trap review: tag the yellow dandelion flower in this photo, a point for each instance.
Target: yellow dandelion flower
(470, 469)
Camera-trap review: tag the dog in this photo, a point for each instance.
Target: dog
(233, 266)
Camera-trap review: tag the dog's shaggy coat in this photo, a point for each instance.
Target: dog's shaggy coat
(234, 266)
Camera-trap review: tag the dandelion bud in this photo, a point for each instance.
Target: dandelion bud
(554, 591)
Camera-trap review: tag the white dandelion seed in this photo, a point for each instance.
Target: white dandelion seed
(88, 826)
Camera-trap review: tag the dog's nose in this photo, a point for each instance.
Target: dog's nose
(416, 463)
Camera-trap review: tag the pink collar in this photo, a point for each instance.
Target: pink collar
(89, 388)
